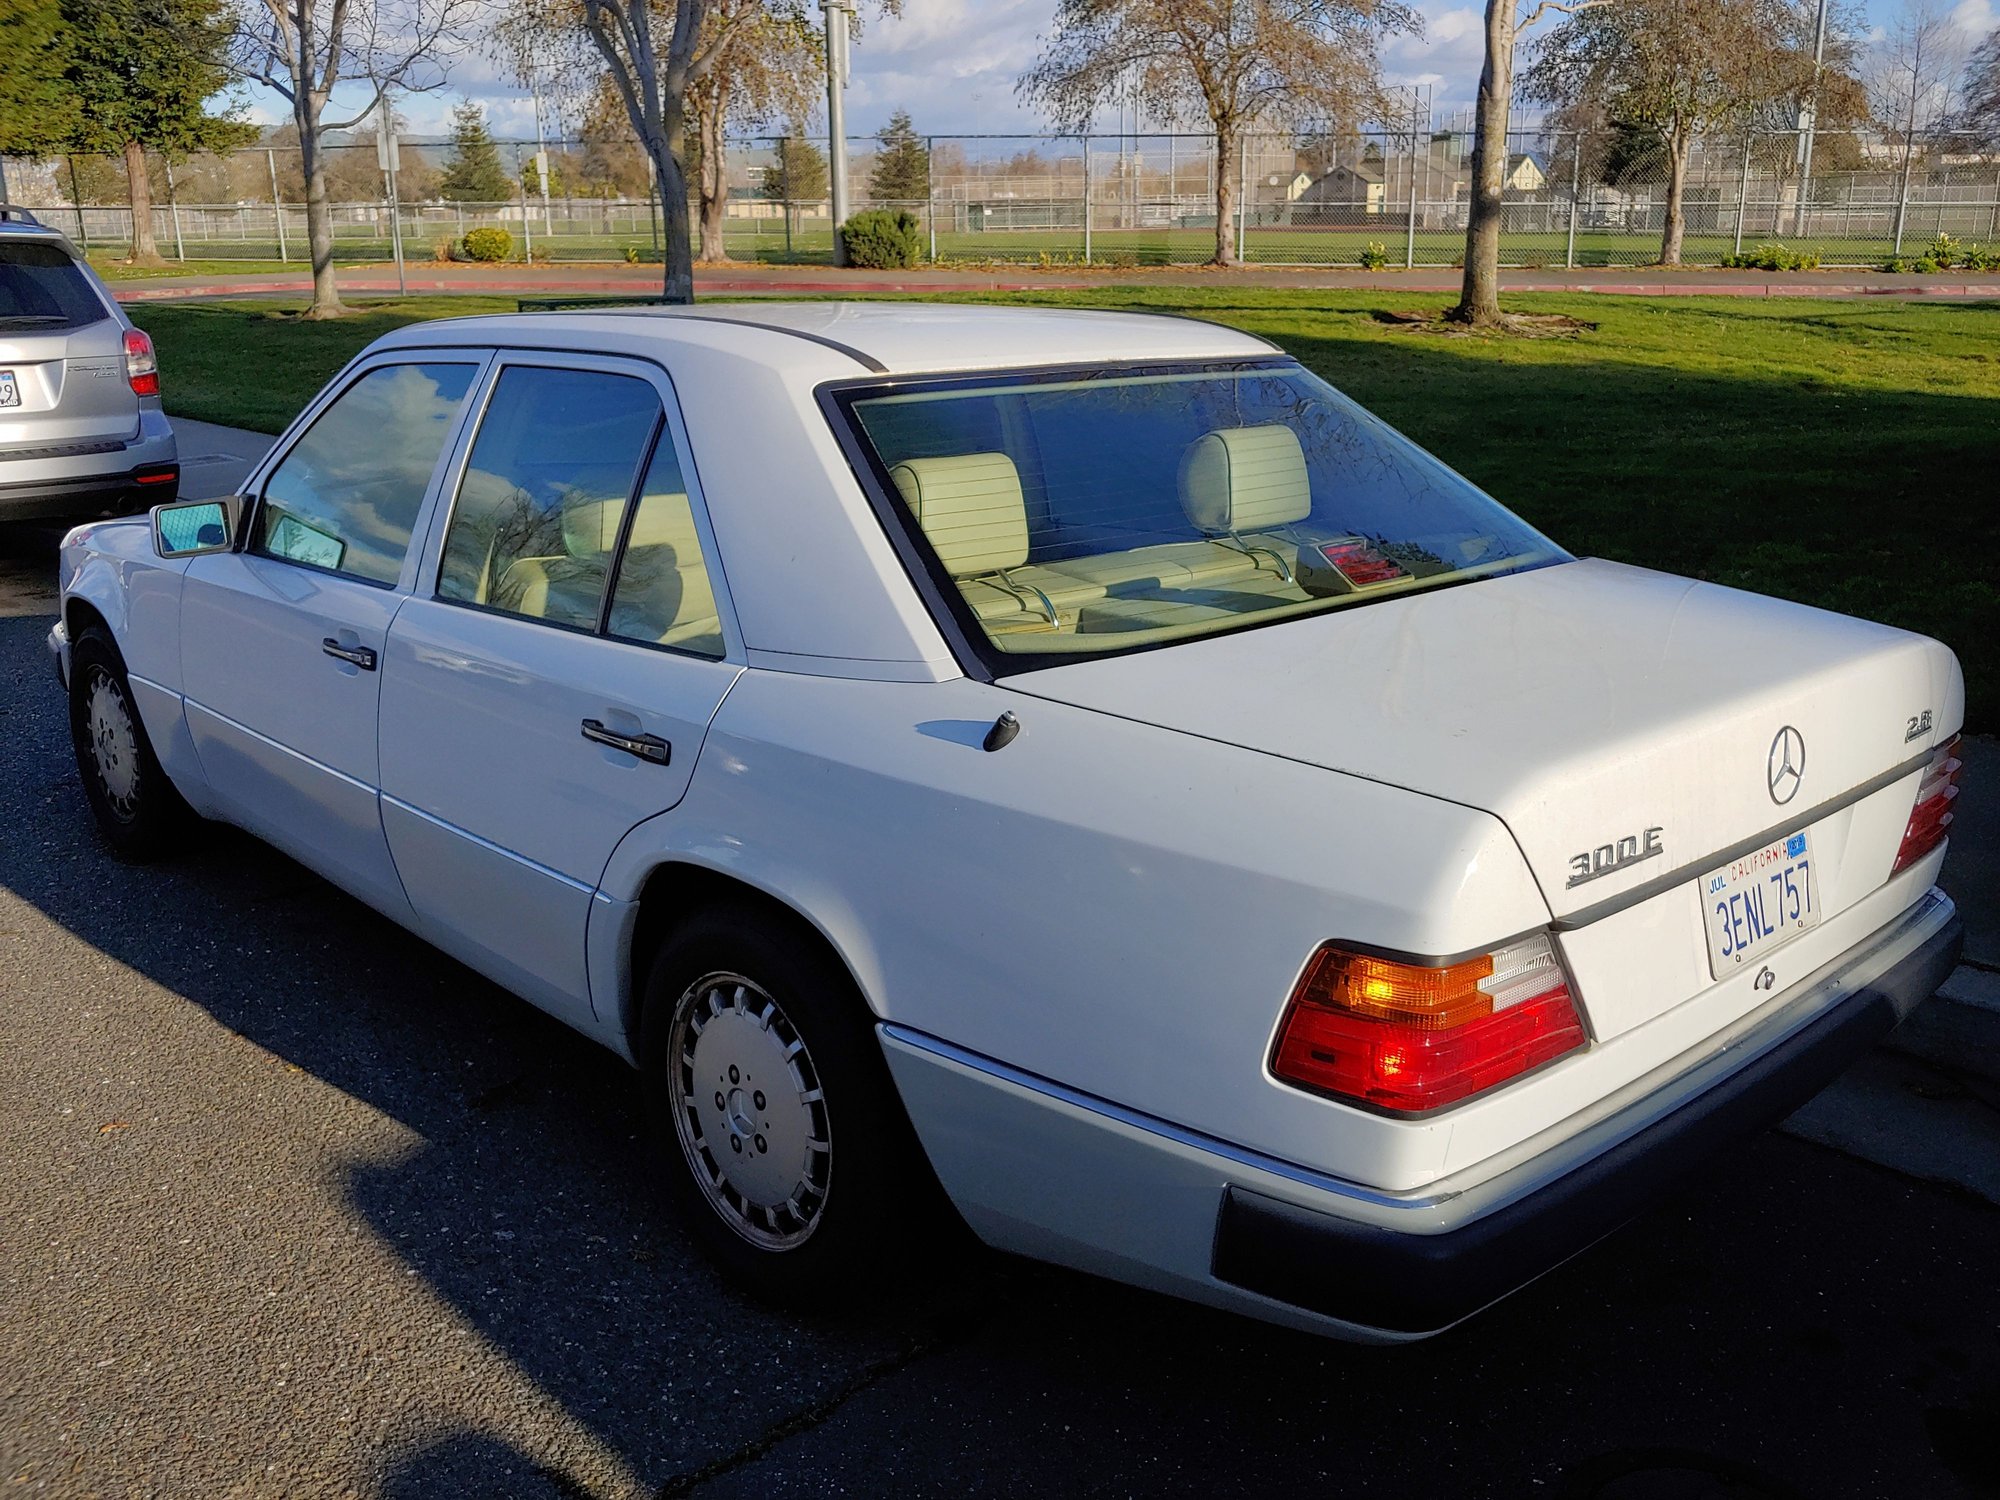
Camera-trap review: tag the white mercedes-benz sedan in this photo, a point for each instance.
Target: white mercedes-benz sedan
(1080, 767)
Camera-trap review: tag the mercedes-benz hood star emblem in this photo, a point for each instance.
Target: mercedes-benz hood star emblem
(1787, 765)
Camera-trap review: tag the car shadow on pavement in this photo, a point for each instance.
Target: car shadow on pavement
(1797, 1323)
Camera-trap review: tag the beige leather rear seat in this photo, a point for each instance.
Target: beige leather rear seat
(1243, 487)
(972, 509)
(663, 592)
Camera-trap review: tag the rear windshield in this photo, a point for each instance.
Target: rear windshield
(41, 286)
(1075, 515)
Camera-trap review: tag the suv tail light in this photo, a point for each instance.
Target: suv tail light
(141, 367)
(1407, 1037)
(1932, 815)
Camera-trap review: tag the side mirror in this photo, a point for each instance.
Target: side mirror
(189, 528)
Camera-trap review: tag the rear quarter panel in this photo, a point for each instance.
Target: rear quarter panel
(1106, 904)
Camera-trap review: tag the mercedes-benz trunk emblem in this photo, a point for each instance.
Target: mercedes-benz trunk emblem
(1787, 765)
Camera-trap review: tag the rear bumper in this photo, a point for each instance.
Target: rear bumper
(128, 478)
(1049, 1173)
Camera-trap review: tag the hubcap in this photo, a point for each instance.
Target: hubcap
(114, 743)
(749, 1112)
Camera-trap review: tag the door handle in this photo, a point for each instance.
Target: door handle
(360, 656)
(646, 746)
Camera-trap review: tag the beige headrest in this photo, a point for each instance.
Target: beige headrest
(1239, 479)
(970, 507)
(590, 527)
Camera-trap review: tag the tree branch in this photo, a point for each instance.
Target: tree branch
(1561, 7)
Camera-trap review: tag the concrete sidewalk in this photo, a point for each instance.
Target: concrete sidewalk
(564, 279)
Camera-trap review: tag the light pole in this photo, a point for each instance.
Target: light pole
(837, 12)
(1809, 120)
(541, 147)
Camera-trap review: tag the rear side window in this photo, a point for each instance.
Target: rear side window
(545, 490)
(41, 286)
(347, 495)
(663, 596)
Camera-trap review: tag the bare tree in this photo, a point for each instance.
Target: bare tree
(1237, 63)
(1982, 90)
(1676, 68)
(303, 49)
(1479, 295)
(773, 67)
(1913, 84)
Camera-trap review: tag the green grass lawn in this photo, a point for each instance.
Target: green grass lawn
(1841, 453)
(107, 265)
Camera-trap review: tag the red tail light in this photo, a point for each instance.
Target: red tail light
(1408, 1037)
(1932, 815)
(141, 367)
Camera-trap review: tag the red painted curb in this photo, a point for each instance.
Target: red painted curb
(577, 285)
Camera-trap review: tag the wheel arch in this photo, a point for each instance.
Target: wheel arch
(676, 887)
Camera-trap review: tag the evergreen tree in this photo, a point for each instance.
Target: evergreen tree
(140, 74)
(799, 174)
(903, 166)
(37, 113)
(474, 173)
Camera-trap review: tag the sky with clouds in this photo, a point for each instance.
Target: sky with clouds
(952, 64)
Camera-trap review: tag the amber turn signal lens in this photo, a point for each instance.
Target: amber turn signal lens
(1405, 1038)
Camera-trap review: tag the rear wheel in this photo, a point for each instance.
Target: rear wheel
(786, 1146)
(137, 809)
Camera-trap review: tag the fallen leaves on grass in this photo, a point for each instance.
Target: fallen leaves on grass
(1511, 325)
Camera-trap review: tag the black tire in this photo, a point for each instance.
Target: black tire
(876, 1210)
(138, 810)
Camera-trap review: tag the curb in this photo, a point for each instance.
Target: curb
(1958, 1029)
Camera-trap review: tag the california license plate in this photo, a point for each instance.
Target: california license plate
(1758, 903)
(10, 389)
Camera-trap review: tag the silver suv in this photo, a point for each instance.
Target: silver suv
(81, 429)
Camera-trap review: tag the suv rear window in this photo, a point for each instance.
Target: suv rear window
(42, 286)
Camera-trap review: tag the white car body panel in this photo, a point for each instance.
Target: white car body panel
(1578, 703)
(1104, 920)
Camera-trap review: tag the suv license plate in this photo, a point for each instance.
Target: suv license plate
(10, 389)
(1759, 902)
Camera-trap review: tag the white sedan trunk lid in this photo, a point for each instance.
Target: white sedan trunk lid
(1621, 722)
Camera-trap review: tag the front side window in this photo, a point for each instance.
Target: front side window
(347, 495)
(538, 516)
(1079, 515)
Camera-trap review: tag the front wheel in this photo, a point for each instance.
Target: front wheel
(137, 808)
(786, 1146)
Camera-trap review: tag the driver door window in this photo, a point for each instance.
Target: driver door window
(345, 498)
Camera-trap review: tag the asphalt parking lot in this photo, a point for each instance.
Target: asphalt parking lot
(291, 1204)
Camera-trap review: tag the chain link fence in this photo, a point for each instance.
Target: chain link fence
(1387, 197)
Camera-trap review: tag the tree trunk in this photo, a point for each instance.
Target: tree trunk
(714, 181)
(1479, 297)
(1227, 159)
(319, 218)
(145, 250)
(1903, 187)
(1676, 225)
(677, 280)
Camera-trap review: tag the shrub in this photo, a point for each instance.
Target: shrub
(1978, 258)
(488, 244)
(1773, 258)
(631, 255)
(1120, 260)
(1375, 257)
(882, 239)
